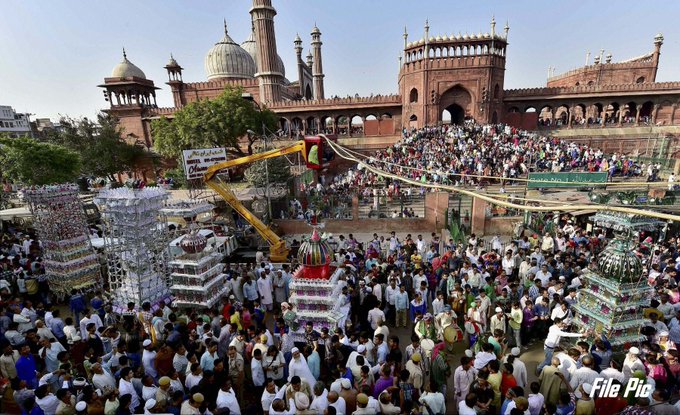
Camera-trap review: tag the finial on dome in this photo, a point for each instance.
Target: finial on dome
(124, 54)
(315, 236)
(225, 26)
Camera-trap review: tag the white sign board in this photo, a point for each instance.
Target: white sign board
(196, 162)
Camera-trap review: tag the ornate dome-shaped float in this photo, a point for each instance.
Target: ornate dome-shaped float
(315, 255)
(193, 243)
(613, 296)
(316, 288)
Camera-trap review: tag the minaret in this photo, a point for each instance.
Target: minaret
(310, 60)
(175, 81)
(493, 26)
(506, 29)
(300, 63)
(317, 67)
(268, 72)
(658, 41)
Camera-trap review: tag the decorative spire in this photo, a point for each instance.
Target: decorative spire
(124, 54)
(405, 33)
(506, 29)
(315, 236)
(493, 25)
(225, 27)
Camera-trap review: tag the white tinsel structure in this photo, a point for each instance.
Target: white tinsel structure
(197, 280)
(136, 244)
(69, 259)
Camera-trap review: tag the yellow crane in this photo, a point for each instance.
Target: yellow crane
(309, 147)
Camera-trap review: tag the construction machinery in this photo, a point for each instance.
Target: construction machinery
(312, 151)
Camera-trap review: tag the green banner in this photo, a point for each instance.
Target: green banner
(577, 179)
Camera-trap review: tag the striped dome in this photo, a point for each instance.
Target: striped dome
(229, 60)
(315, 252)
(619, 262)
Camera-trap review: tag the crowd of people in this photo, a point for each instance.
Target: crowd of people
(468, 155)
(427, 326)
(242, 357)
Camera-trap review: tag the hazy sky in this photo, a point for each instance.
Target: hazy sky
(54, 53)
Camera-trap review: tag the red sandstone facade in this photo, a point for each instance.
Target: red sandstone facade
(442, 78)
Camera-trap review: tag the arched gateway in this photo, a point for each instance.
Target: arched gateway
(455, 104)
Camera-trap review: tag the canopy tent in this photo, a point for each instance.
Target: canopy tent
(15, 213)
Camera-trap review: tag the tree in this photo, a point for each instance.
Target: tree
(219, 122)
(101, 147)
(30, 162)
(279, 172)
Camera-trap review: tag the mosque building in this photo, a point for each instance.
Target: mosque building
(442, 78)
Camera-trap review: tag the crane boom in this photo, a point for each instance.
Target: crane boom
(278, 251)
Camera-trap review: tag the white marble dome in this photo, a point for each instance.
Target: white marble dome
(127, 69)
(250, 46)
(229, 60)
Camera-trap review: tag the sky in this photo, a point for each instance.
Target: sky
(54, 53)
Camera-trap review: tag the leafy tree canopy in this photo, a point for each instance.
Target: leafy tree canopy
(100, 144)
(279, 172)
(30, 162)
(219, 122)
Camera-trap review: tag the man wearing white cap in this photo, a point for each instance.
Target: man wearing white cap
(585, 404)
(149, 359)
(497, 321)
(301, 402)
(298, 367)
(352, 359)
(148, 406)
(81, 406)
(632, 363)
(519, 371)
(265, 287)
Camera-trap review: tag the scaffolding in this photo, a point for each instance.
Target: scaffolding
(69, 259)
(136, 245)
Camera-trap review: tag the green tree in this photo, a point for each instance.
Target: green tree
(279, 172)
(30, 162)
(219, 122)
(100, 144)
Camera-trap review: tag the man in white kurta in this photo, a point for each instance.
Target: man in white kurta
(266, 289)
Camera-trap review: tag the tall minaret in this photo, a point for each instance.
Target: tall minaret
(268, 72)
(658, 41)
(300, 63)
(317, 67)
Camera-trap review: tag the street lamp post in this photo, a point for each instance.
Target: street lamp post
(249, 97)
